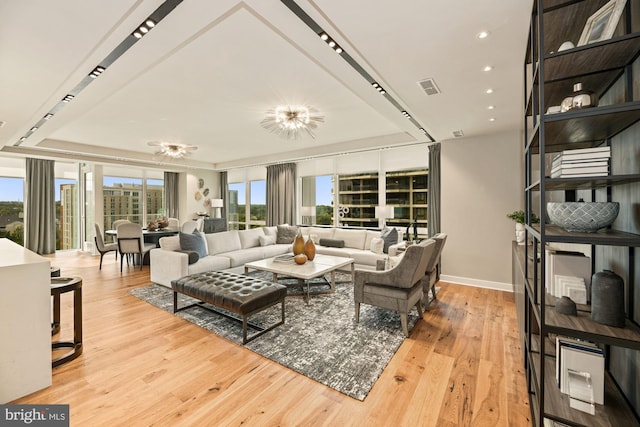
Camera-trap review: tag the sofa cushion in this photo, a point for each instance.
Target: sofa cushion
(209, 263)
(170, 243)
(390, 237)
(250, 238)
(332, 243)
(370, 235)
(271, 231)
(365, 257)
(193, 242)
(225, 241)
(377, 245)
(267, 240)
(286, 233)
(352, 238)
(242, 256)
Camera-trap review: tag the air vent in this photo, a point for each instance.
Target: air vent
(458, 133)
(429, 86)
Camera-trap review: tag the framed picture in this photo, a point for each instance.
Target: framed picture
(601, 25)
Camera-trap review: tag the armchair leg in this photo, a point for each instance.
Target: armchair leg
(357, 312)
(419, 308)
(404, 322)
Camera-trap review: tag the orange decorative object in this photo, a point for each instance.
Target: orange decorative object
(298, 244)
(310, 249)
(300, 259)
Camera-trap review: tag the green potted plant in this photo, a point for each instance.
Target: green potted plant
(519, 218)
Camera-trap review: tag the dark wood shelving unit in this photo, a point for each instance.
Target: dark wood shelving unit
(606, 68)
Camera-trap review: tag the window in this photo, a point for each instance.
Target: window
(237, 215)
(357, 199)
(317, 191)
(258, 206)
(12, 209)
(407, 192)
(137, 199)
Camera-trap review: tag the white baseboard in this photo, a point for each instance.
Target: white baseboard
(467, 281)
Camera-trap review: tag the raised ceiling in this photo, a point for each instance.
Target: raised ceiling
(206, 74)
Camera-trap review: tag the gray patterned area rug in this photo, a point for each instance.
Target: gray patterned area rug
(319, 340)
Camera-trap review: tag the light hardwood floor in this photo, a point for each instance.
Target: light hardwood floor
(462, 365)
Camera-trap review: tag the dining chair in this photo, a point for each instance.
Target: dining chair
(116, 223)
(131, 242)
(174, 223)
(189, 226)
(101, 247)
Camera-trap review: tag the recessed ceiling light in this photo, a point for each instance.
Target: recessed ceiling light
(482, 34)
(491, 107)
(324, 36)
(33, 129)
(487, 68)
(489, 91)
(492, 119)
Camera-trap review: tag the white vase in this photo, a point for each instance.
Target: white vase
(520, 233)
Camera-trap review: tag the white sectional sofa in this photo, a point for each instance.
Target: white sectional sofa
(230, 250)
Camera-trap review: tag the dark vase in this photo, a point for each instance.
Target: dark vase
(298, 244)
(310, 249)
(607, 299)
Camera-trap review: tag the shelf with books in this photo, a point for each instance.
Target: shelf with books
(609, 69)
(614, 412)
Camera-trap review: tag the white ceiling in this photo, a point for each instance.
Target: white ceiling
(208, 72)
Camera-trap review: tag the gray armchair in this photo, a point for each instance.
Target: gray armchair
(432, 274)
(399, 288)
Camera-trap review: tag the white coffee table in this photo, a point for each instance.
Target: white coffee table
(321, 265)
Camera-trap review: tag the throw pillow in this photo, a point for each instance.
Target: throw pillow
(377, 245)
(267, 240)
(332, 243)
(390, 237)
(193, 256)
(193, 242)
(286, 233)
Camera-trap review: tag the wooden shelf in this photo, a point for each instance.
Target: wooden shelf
(553, 233)
(581, 326)
(614, 412)
(586, 183)
(585, 127)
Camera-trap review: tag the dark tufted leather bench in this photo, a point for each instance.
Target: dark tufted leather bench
(243, 295)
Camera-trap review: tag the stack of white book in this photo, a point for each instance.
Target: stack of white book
(584, 162)
(568, 274)
(580, 372)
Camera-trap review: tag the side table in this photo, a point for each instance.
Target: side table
(61, 285)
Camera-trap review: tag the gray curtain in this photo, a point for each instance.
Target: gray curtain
(224, 194)
(40, 224)
(434, 189)
(171, 195)
(281, 194)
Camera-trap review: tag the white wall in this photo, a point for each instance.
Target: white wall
(482, 181)
(188, 184)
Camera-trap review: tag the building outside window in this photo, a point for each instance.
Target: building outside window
(135, 199)
(237, 214)
(66, 214)
(357, 200)
(407, 192)
(12, 209)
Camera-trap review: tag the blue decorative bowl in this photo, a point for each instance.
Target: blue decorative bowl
(586, 217)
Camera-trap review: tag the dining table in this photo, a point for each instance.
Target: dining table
(150, 236)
